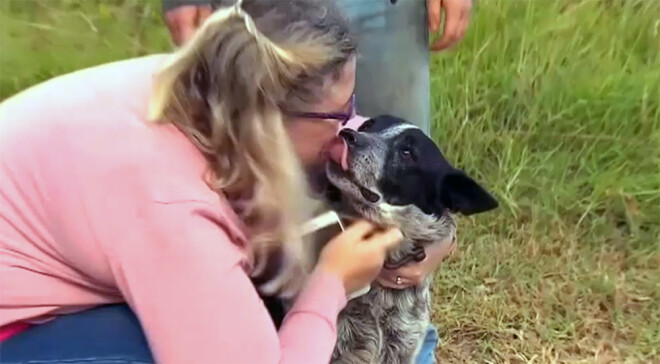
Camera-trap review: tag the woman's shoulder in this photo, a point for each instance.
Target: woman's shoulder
(86, 82)
(89, 129)
(110, 95)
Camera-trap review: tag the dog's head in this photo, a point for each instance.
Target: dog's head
(390, 172)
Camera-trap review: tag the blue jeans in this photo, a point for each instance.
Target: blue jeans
(393, 75)
(427, 353)
(103, 335)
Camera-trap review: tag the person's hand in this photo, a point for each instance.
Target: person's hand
(184, 20)
(413, 274)
(457, 18)
(357, 254)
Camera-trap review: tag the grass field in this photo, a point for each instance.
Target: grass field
(553, 104)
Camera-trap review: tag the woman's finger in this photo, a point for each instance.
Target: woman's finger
(452, 247)
(359, 230)
(463, 25)
(456, 12)
(387, 239)
(402, 277)
(448, 37)
(394, 282)
(386, 281)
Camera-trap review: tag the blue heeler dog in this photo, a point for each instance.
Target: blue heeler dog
(389, 172)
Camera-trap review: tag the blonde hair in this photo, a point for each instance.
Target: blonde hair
(226, 89)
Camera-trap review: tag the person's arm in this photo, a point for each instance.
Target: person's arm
(183, 17)
(181, 273)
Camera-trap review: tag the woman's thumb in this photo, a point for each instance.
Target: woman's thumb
(389, 239)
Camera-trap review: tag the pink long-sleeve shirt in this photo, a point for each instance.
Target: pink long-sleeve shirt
(98, 206)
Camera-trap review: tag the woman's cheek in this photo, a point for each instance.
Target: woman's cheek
(309, 139)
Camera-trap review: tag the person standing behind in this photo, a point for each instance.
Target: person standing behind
(393, 37)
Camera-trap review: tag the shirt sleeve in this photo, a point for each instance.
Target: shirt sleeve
(183, 277)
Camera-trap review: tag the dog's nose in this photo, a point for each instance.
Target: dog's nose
(351, 137)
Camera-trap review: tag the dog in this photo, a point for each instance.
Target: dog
(389, 172)
(392, 174)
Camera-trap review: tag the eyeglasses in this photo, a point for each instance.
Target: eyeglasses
(340, 116)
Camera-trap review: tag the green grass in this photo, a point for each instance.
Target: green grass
(555, 105)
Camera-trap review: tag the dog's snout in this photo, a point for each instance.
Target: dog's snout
(351, 137)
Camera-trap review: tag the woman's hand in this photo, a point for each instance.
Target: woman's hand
(358, 254)
(413, 274)
(457, 18)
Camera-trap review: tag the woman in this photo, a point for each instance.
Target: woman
(161, 181)
(394, 50)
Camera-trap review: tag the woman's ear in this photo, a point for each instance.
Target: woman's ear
(460, 193)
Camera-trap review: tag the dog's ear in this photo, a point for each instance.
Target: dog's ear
(460, 193)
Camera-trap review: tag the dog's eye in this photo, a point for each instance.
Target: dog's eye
(406, 152)
(366, 125)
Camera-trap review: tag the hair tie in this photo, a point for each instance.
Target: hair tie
(247, 19)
